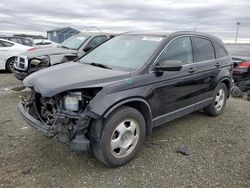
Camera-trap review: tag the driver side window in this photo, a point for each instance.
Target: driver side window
(178, 50)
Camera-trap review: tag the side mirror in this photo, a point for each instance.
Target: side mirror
(172, 65)
(87, 48)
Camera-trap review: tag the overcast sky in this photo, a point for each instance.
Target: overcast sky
(217, 17)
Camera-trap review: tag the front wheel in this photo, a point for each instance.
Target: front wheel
(219, 101)
(122, 135)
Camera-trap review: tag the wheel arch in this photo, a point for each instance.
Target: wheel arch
(139, 104)
(228, 83)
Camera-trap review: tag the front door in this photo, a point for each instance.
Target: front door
(175, 91)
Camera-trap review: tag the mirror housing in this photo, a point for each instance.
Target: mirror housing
(172, 65)
(87, 48)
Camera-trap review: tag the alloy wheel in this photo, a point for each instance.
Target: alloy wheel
(219, 100)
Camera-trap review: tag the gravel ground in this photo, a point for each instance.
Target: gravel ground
(221, 153)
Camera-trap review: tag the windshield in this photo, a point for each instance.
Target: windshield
(74, 42)
(124, 52)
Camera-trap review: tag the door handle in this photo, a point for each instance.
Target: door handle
(217, 64)
(192, 70)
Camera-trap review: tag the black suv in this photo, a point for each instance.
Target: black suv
(130, 84)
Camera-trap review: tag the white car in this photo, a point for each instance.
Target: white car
(8, 52)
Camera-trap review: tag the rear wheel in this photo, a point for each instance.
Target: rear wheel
(122, 135)
(10, 64)
(219, 101)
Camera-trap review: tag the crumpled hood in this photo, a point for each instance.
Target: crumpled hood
(71, 75)
(48, 51)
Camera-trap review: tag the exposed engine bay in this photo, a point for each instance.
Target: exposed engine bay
(65, 115)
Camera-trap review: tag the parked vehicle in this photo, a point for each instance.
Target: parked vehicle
(8, 52)
(70, 50)
(43, 43)
(241, 72)
(20, 40)
(125, 87)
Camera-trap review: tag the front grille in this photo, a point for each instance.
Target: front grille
(21, 65)
(22, 60)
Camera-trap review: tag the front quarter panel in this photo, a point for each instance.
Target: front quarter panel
(62, 58)
(126, 89)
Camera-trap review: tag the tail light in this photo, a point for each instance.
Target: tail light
(245, 65)
(31, 49)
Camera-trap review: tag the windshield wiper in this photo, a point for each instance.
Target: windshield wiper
(101, 65)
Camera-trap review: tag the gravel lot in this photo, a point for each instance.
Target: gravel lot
(221, 153)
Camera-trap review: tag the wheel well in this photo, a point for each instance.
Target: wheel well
(228, 84)
(142, 107)
(145, 111)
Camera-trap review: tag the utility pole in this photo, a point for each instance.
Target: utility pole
(238, 25)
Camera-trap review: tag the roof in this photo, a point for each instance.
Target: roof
(96, 33)
(165, 34)
(153, 33)
(62, 28)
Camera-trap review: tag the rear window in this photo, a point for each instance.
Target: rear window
(6, 44)
(204, 49)
(219, 51)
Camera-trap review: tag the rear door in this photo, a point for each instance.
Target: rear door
(208, 68)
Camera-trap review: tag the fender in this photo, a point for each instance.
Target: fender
(120, 103)
(96, 127)
(228, 83)
(147, 116)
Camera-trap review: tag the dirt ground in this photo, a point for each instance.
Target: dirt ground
(220, 158)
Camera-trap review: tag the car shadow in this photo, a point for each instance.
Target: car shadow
(5, 72)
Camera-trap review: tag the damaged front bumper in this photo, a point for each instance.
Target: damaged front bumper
(20, 75)
(34, 123)
(77, 141)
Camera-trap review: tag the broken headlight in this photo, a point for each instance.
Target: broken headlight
(41, 60)
(72, 101)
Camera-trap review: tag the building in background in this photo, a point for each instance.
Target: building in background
(29, 36)
(61, 34)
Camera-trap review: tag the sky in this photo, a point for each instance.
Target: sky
(218, 17)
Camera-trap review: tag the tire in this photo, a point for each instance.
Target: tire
(122, 135)
(10, 64)
(219, 101)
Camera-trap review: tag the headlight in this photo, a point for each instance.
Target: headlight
(72, 100)
(45, 60)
